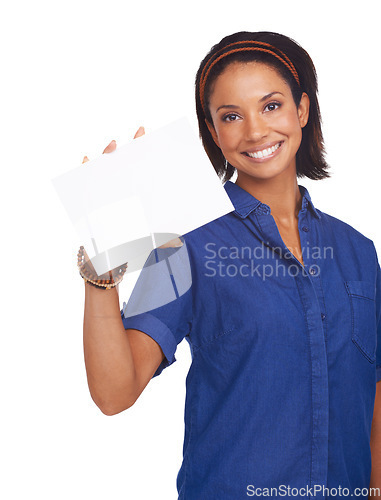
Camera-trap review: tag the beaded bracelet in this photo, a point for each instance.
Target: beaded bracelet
(93, 279)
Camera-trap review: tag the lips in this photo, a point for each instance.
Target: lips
(267, 145)
(264, 152)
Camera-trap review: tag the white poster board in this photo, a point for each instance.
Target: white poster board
(145, 193)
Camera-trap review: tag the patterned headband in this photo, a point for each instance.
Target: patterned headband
(263, 47)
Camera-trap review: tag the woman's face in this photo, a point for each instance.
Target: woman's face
(256, 122)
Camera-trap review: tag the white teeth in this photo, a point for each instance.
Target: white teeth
(264, 152)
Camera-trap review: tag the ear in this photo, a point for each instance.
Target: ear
(304, 110)
(212, 131)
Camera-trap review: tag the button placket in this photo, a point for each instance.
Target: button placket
(303, 230)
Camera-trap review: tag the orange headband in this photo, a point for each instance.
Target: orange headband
(271, 50)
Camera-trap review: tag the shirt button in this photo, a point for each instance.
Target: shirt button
(305, 229)
(312, 271)
(322, 316)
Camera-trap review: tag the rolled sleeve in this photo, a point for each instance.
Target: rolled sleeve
(158, 331)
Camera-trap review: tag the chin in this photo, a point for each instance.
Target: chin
(263, 171)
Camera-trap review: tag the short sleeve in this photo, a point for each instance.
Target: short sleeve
(161, 302)
(378, 320)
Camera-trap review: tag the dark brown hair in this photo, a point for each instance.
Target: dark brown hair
(310, 160)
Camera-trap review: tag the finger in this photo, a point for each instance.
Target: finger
(85, 159)
(88, 262)
(139, 132)
(110, 148)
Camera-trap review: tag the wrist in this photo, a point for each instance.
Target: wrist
(106, 281)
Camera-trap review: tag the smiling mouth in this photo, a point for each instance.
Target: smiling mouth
(264, 153)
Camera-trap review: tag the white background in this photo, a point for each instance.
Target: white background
(76, 75)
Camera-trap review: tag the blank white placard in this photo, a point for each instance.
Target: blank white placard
(160, 184)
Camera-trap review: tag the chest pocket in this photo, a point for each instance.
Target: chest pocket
(363, 310)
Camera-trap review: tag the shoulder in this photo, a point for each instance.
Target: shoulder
(344, 232)
(341, 225)
(213, 229)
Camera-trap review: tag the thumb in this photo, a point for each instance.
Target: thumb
(139, 132)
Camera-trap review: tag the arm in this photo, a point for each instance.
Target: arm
(375, 445)
(119, 363)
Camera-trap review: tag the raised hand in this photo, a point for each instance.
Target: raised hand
(108, 149)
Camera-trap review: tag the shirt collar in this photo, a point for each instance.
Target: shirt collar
(245, 203)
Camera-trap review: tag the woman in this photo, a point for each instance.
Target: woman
(283, 313)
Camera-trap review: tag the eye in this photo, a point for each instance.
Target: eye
(271, 106)
(224, 119)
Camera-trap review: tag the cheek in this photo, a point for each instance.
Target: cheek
(289, 124)
(228, 138)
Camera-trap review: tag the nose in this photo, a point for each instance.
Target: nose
(256, 127)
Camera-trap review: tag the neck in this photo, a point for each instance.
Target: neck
(281, 194)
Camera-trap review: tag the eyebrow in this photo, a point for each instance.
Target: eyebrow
(232, 106)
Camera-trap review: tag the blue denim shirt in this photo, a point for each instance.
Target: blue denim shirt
(285, 359)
